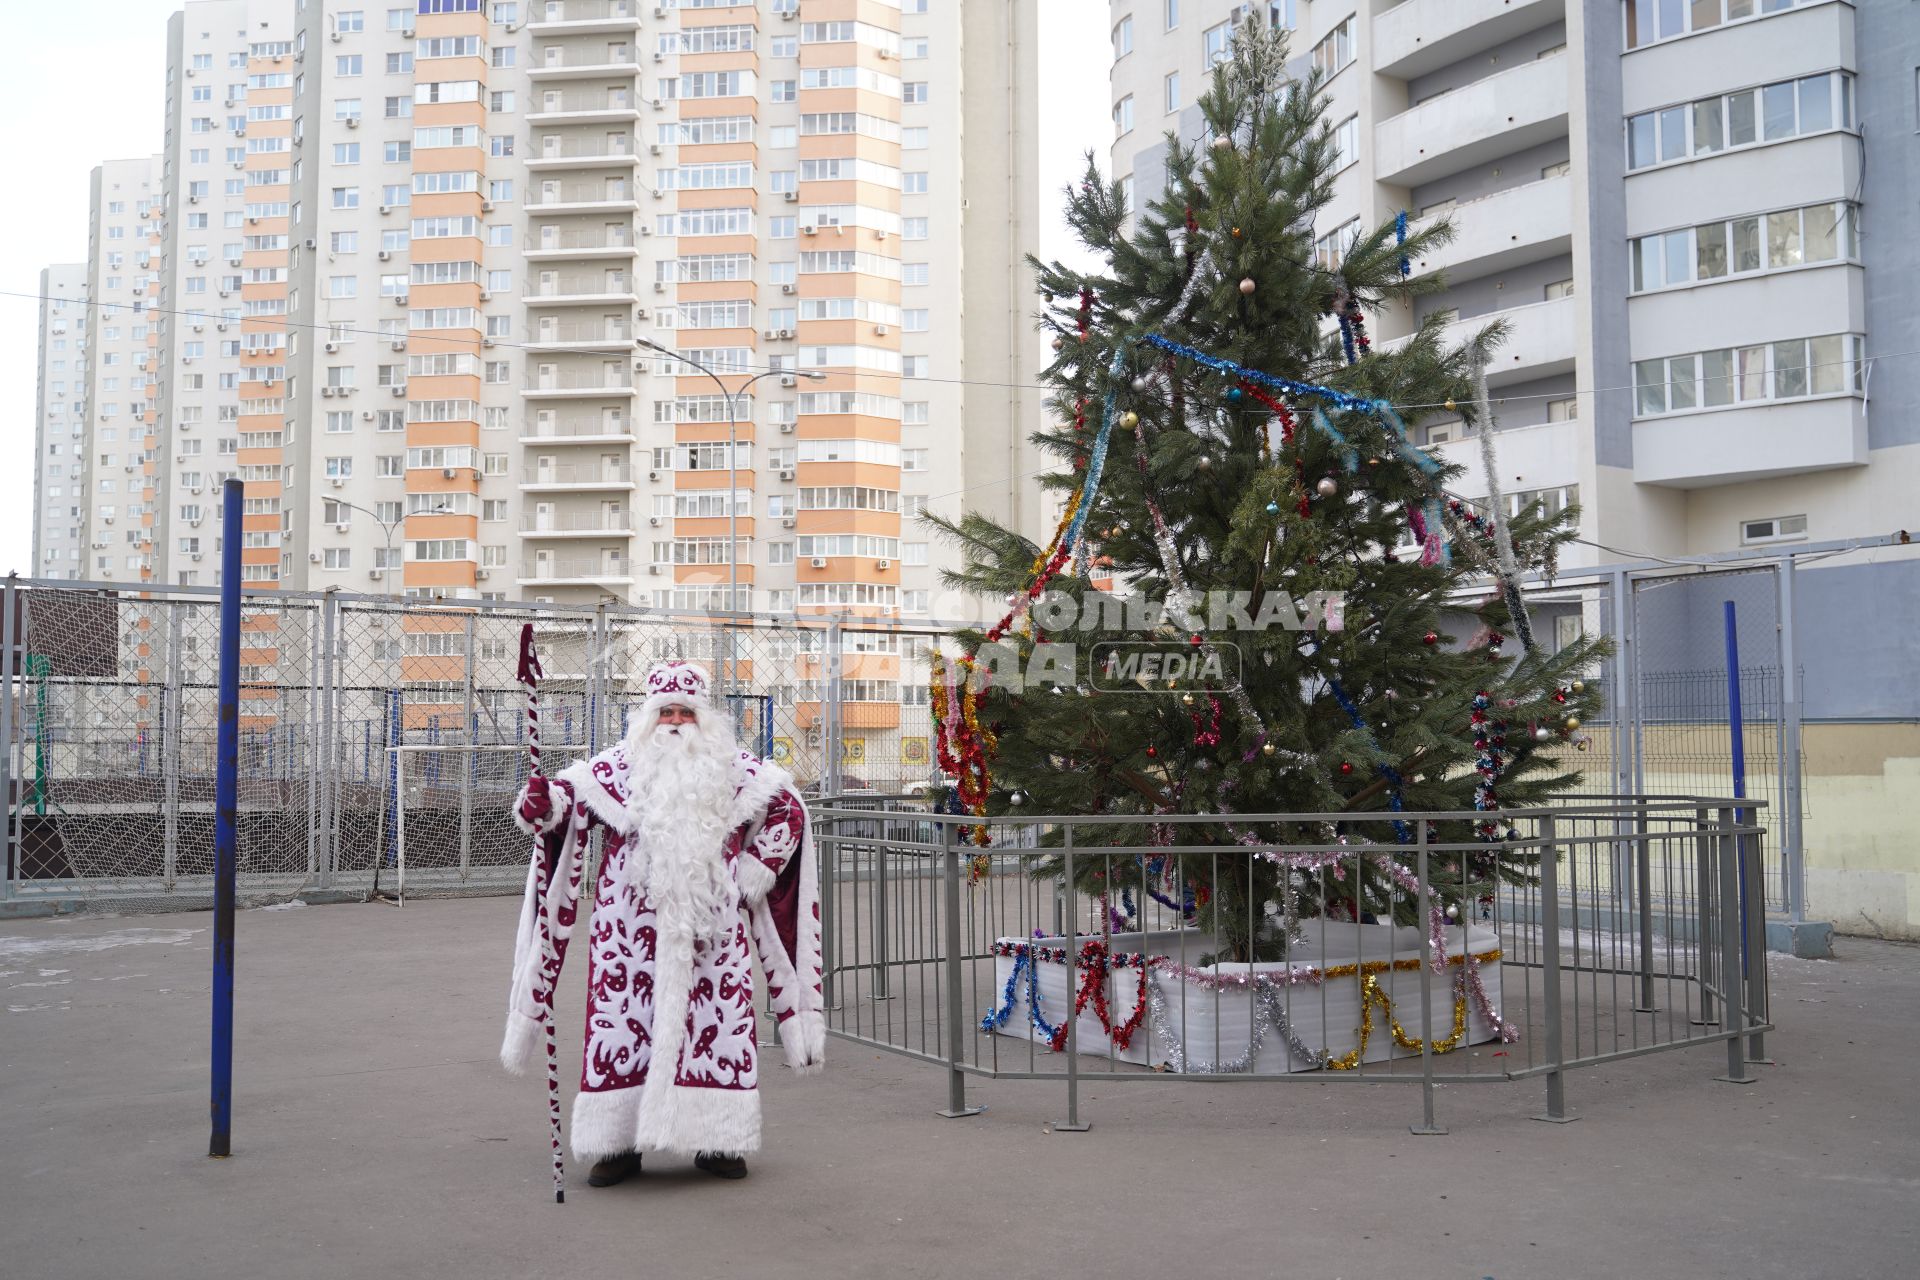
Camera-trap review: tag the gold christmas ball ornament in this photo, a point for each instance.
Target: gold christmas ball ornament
(1223, 143)
(1236, 233)
(1129, 420)
(1058, 343)
(1573, 722)
(1187, 699)
(1267, 748)
(1247, 285)
(1450, 405)
(1206, 461)
(1578, 686)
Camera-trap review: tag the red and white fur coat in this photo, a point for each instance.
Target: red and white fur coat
(670, 977)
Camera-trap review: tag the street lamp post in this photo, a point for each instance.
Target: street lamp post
(733, 472)
(386, 527)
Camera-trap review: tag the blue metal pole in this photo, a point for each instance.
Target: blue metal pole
(1734, 722)
(226, 803)
(393, 774)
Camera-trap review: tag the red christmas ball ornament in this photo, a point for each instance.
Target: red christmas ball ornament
(1153, 751)
(1346, 767)
(1194, 641)
(1432, 637)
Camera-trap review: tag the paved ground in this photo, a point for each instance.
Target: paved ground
(376, 1135)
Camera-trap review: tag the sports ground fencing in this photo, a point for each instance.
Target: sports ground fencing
(381, 735)
(1603, 928)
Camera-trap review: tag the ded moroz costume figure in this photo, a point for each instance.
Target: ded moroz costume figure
(707, 853)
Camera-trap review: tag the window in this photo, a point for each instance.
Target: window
(784, 47)
(913, 184)
(1762, 242)
(913, 228)
(1559, 289)
(1558, 170)
(914, 413)
(913, 273)
(1123, 116)
(339, 468)
(346, 153)
(399, 63)
(1172, 93)
(1567, 410)
(913, 366)
(1791, 108)
(1331, 249)
(1335, 49)
(346, 197)
(344, 242)
(337, 558)
(1649, 21)
(1173, 14)
(1787, 370)
(1215, 42)
(348, 64)
(1776, 529)
(783, 136)
(1346, 142)
(1123, 37)
(349, 21)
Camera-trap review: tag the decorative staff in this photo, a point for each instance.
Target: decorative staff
(529, 675)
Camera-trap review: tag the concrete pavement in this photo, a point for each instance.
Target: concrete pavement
(375, 1135)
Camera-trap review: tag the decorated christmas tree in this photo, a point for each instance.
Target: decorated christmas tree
(1233, 447)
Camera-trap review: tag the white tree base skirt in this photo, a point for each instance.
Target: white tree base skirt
(1215, 1024)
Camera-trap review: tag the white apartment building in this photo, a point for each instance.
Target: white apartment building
(60, 499)
(1664, 201)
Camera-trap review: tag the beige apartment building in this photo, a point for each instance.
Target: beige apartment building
(465, 291)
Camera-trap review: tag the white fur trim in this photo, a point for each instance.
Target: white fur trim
(579, 776)
(603, 1123)
(755, 790)
(686, 1120)
(803, 1039)
(516, 1050)
(756, 878)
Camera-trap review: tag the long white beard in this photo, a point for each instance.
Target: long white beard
(682, 790)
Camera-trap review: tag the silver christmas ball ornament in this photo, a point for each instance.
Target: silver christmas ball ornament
(1247, 285)
(1543, 734)
(1140, 383)
(1017, 799)
(1327, 487)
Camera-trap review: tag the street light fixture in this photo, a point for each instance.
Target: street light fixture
(733, 469)
(387, 527)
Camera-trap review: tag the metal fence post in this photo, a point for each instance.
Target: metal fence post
(1796, 868)
(1427, 1127)
(468, 764)
(1643, 899)
(830, 713)
(1556, 1111)
(1704, 922)
(327, 744)
(1073, 1123)
(172, 708)
(10, 601)
(1754, 999)
(882, 985)
(956, 956)
(1728, 912)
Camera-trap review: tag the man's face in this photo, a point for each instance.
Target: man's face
(672, 716)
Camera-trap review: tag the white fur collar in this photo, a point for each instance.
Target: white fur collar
(601, 784)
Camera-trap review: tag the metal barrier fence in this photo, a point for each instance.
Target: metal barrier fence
(1614, 927)
(356, 710)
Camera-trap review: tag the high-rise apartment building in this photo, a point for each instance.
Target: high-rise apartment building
(417, 265)
(122, 290)
(694, 305)
(60, 500)
(1672, 205)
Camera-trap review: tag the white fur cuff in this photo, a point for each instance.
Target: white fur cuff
(756, 879)
(516, 1049)
(803, 1039)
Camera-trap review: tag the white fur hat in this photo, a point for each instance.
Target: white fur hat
(677, 684)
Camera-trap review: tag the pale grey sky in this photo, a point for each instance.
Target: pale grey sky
(87, 87)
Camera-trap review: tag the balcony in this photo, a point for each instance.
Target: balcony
(581, 291)
(1751, 442)
(554, 106)
(560, 63)
(564, 384)
(579, 337)
(1545, 455)
(595, 430)
(1474, 124)
(583, 153)
(582, 17)
(1419, 36)
(555, 245)
(576, 524)
(551, 570)
(1509, 228)
(1539, 344)
(581, 197)
(576, 475)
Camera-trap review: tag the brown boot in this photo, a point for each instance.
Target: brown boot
(614, 1170)
(721, 1166)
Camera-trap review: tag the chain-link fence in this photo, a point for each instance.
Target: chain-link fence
(377, 732)
(381, 733)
